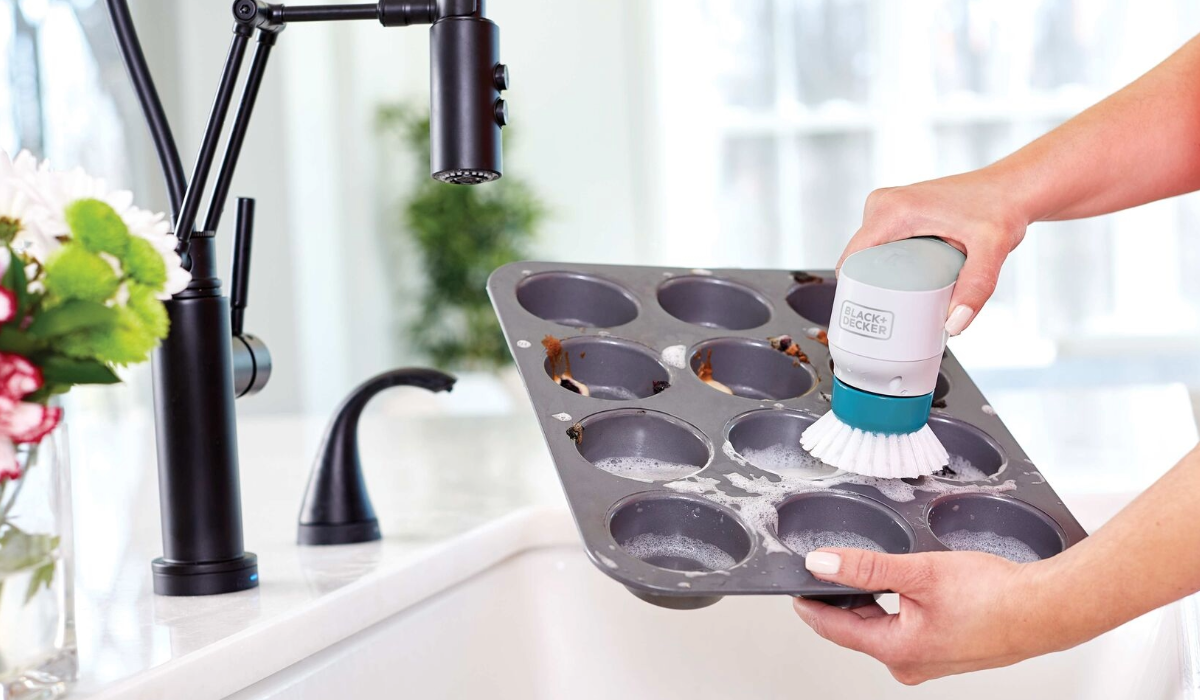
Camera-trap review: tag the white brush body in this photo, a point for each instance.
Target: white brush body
(886, 337)
(874, 454)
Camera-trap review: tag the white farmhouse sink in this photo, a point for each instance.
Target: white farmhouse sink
(543, 622)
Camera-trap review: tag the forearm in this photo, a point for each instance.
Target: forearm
(1139, 145)
(1148, 555)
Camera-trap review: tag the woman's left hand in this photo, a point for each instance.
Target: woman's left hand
(959, 611)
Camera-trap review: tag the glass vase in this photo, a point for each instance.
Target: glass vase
(38, 657)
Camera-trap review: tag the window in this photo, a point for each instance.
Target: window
(55, 101)
(777, 117)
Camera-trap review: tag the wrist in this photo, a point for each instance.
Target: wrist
(1023, 187)
(1013, 190)
(1053, 613)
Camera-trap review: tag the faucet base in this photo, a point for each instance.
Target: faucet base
(205, 578)
(338, 533)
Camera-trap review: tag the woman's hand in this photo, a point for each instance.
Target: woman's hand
(975, 212)
(959, 611)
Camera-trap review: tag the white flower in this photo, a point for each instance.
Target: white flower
(55, 191)
(22, 206)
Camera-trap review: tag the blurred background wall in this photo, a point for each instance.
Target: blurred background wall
(706, 133)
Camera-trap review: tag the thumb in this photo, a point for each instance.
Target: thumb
(975, 285)
(870, 571)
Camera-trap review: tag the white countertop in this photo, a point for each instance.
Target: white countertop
(431, 476)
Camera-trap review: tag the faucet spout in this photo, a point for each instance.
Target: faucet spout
(336, 508)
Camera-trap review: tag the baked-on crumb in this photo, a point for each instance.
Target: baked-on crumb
(659, 386)
(802, 277)
(705, 373)
(575, 432)
(789, 347)
(557, 356)
(554, 352)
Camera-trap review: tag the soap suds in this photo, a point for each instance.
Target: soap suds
(784, 461)
(804, 541)
(606, 561)
(732, 454)
(646, 468)
(675, 356)
(758, 509)
(694, 574)
(614, 393)
(649, 546)
(1010, 548)
(961, 469)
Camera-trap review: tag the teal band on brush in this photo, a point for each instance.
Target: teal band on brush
(875, 413)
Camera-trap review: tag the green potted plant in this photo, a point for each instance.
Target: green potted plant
(461, 234)
(82, 272)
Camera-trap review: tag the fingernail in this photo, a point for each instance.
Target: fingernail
(959, 318)
(826, 563)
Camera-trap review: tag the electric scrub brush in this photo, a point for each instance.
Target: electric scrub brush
(886, 335)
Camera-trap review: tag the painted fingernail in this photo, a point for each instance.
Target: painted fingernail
(826, 563)
(959, 318)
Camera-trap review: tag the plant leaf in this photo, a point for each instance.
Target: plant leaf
(14, 341)
(71, 316)
(14, 279)
(21, 550)
(43, 576)
(62, 370)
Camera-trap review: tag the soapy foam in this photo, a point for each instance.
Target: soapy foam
(646, 468)
(613, 393)
(649, 546)
(964, 470)
(784, 461)
(758, 509)
(732, 454)
(1010, 548)
(675, 356)
(804, 541)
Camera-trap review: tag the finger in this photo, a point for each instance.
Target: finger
(858, 241)
(844, 627)
(867, 612)
(975, 285)
(870, 235)
(870, 571)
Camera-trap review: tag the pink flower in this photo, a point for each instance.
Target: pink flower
(8, 305)
(9, 468)
(18, 378)
(21, 421)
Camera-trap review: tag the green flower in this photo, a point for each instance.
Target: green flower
(144, 264)
(98, 227)
(74, 272)
(128, 341)
(149, 310)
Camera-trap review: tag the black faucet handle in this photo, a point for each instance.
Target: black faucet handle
(336, 508)
(239, 293)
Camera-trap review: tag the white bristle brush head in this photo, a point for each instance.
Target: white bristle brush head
(905, 456)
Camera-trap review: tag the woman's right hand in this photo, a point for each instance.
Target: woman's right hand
(973, 211)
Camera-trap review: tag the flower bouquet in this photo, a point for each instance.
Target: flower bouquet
(82, 276)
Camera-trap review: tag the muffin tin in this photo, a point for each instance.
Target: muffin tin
(684, 493)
